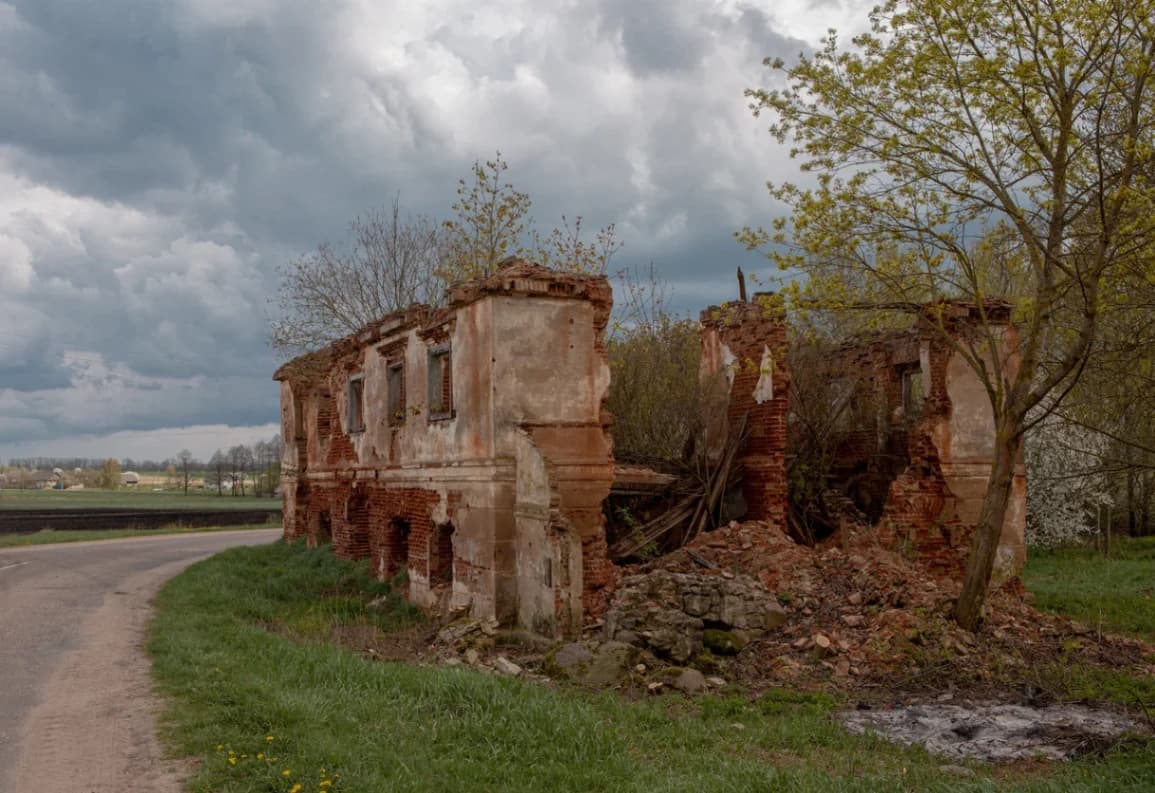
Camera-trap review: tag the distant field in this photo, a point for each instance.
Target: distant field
(128, 499)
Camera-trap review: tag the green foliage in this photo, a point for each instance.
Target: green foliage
(492, 222)
(56, 537)
(369, 725)
(489, 224)
(655, 357)
(1032, 125)
(1114, 594)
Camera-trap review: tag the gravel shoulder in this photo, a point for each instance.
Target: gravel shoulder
(82, 715)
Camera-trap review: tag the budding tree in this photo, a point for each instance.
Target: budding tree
(955, 118)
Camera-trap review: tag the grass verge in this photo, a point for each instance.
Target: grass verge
(52, 537)
(1114, 594)
(128, 498)
(256, 692)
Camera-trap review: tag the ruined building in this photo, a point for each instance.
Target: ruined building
(468, 448)
(916, 441)
(465, 447)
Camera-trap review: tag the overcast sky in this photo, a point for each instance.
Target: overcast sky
(160, 158)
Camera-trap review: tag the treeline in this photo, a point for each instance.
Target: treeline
(239, 470)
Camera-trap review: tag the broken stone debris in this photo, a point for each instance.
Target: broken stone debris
(504, 666)
(690, 681)
(675, 615)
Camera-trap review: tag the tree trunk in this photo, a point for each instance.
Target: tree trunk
(985, 545)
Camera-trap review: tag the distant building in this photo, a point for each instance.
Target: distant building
(130, 478)
(41, 480)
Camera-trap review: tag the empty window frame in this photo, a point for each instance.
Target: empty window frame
(355, 404)
(913, 393)
(397, 546)
(395, 403)
(440, 382)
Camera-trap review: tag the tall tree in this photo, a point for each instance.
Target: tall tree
(218, 467)
(492, 222)
(110, 474)
(240, 460)
(389, 263)
(955, 118)
(185, 460)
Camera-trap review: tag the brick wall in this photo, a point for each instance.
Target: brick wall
(755, 335)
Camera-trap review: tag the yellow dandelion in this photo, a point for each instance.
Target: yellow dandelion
(232, 761)
(260, 755)
(327, 783)
(220, 747)
(270, 738)
(287, 772)
(295, 788)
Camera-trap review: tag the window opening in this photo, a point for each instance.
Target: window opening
(398, 546)
(440, 383)
(355, 404)
(913, 395)
(395, 379)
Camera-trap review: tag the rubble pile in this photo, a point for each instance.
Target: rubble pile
(861, 616)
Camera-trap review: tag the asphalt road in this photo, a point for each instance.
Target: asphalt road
(77, 714)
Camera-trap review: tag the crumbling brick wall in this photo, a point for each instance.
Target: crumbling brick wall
(923, 478)
(744, 363)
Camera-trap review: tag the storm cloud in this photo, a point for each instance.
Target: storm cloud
(160, 158)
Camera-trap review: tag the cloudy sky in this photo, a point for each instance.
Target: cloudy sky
(160, 158)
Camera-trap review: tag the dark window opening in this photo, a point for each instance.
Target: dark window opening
(913, 393)
(397, 546)
(324, 528)
(441, 556)
(355, 404)
(395, 381)
(440, 383)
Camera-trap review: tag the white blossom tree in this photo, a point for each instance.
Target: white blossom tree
(1065, 483)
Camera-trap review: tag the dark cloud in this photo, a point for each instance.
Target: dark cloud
(160, 158)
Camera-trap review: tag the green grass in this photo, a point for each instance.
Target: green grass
(1115, 594)
(53, 537)
(238, 648)
(128, 498)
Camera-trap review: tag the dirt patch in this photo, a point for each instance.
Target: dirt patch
(999, 733)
